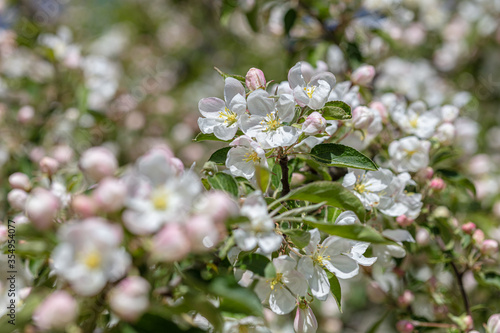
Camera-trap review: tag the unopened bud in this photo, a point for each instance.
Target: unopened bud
(489, 247)
(110, 194)
(406, 299)
(404, 326)
(255, 79)
(48, 165)
(381, 109)
(84, 206)
(305, 320)
(469, 228)
(493, 324)
(314, 124)
(362, 117)
(468, 322)
(363, 76)
(17, 198)
(297, 179)
(201, 233)
(404, 221)
(41, 208)
(20, 180)
(422, 237)
(4, 232)
(375, 293)
(98, 162)
(437, 184)
(56, 312)
(25, 114)
(130, 299)
(478, 237)
(170, 244)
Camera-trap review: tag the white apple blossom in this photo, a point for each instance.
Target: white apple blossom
(267, 120)
(367, 186)
(417, 120)
(244, 156)
(308, 88)
(305, 320)
(331, 254)
(282, 291)
(221, 117)
(260, 230)
(347, 93)
(409, 154)
(90, 255)
(385, 253)
(313, 140)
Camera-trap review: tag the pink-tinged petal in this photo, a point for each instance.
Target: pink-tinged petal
(295, 76)
(259, 103)
(232, 88)
(225, 133)
(281, 301)
(211, 106)
(286, 108)
(342, 266)
(305, 321)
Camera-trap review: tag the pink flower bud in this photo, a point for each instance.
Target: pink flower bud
(41, 208)
(20, 180)
(48, 165)
(56, 312)
(17, 198)
(429, 172)
(255, 79)
(84, 206)
(25, 114)
(3, 233)
(305, 320)
(468, 322)
(110, 194)
(489, 247)
(170, 244)
(381, 109)
(362, 117)
(469, 228)
(98, 162)
(493, 324)
(130, 298)
(314, 124)
(437, 184)
(478, 237)
(218, 206)
(63, 154)
(404, 221)
(406, 299)
(201, 233)
(363, 76)
(297, 179)
(422, 237)
(404, 326)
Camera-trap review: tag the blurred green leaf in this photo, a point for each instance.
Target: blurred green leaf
(299, 237)
(457, 179)
(223, 181)
(336, 291)
(374, 328)
(207, 137)
(234, 298)
(253, 262)
(220, 155)
(289, 20)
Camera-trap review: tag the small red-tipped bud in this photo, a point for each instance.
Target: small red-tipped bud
(363, 76)
(489, 247)
(437, 184)
(404, 326)
(478, 237)
(406, 298)
(255, 79)
(469, 228)
(404, 221)
(48, 165)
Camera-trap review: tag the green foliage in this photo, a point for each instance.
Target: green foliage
(336, 110)
(334, 154)
(223, 181)
(220, 155)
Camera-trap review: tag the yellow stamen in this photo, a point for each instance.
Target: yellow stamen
(410, 152)
(414, 122)
(93, 260)
(253, 157)
(360, 188)
(230, 116)
(309, 91)
(276, 280)
(160, 199)
(272, 122)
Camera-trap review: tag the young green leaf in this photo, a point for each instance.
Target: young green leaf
(219, 156)
(207, 137)
(336, 110)
(299, 237)
(234, 298)
(253, 262)
(334, 154)
(223, 181)
(334, 194)
(335, 289)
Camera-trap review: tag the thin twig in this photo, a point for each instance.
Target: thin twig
(284, 174)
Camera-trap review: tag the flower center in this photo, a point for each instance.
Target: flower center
(414, 122)
(160, 199)
(230, 116)
(271, 122)
(309, 91)
(276, 280)
(93, 260)
(318, 258)
(360, 188)
(410, 152)
(253, 157)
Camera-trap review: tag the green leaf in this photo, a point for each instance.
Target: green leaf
(219, 156)
(334, 154)
(289, 20)
(207, 137)
(457, 179)
(253, 262)
(490, 278)
(234, 298)
(299, 237)
(263, 176)
(335, 289)
(377, 324)
(253, 18)
(276, 176)
(336, 110)
(152, 323)
(234, 76)
(223, 181)
(270, 271)
(334, 194)
(353, 231)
